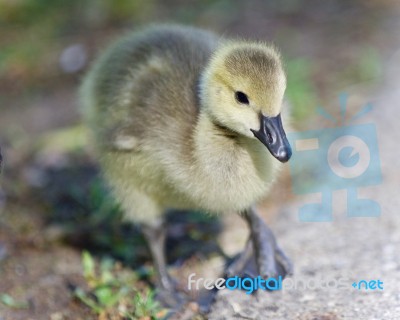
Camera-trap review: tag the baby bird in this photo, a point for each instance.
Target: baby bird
(183, 119)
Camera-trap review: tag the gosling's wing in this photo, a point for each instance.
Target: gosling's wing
(146, 82)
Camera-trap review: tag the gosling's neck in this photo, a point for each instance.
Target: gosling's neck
(212, 139)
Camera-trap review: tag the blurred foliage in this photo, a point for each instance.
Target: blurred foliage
(35, 33)
(115, 293)
(32, 30)
(300, 89)
(10, 302)
(60, 13)
(367, 68)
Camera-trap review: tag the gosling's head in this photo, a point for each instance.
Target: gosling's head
(242, 89)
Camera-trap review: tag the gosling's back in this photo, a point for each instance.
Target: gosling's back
(145, 86)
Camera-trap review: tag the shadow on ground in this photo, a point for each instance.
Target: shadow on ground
(81, 204)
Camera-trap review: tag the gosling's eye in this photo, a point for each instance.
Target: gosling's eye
(241, 97)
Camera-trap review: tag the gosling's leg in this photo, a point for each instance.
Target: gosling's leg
(270, 259)
(155, 236)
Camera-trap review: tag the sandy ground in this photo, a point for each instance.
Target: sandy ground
(349, 248)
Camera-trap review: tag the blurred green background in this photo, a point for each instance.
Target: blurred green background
(46, 45)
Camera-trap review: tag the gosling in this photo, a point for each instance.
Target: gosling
(181, 118)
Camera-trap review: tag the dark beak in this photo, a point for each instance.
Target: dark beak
(272, 135)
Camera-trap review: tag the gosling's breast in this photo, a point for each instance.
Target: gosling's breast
(235, 179)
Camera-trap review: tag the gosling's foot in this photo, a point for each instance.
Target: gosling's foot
(268, 264)
(261, 251)
(271, 261)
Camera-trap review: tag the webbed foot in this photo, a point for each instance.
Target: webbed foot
(262, 255)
